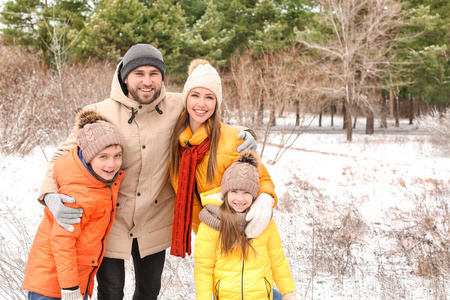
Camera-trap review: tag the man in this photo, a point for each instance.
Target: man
(145, 113)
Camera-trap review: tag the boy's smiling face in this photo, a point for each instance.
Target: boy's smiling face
(107, 162)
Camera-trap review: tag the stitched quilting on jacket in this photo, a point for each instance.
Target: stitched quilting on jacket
(230, 277)
(226, 155)
(146, 199)
(59, 258)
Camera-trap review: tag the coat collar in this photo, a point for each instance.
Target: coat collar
(118, 95)
(194, 139)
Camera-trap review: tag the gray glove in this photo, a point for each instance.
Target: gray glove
(259, 215)
(64, 215)
(249, 142)
(71, 295)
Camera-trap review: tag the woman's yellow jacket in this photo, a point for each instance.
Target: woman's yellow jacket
(226, 155)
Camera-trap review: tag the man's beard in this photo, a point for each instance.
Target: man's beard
(144, 100)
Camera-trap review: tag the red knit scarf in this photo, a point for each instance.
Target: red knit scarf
(182, 222)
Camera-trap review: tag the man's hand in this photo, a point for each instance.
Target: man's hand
(259, 215)
(64, 215)
(249, 142)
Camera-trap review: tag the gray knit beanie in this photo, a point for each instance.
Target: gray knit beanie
(242, 175)
(142, 55)
(202, 74)
(94, 134)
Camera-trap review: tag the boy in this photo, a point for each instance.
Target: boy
(62, 264)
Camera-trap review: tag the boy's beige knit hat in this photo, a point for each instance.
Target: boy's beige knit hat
(202, 74)
(94, 134)
(242, 175)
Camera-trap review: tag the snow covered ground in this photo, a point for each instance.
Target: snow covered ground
(362, 220)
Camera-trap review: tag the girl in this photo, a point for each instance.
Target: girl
(201, 149)
(62, 264)
(228, 265)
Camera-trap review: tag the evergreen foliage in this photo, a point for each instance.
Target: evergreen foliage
(220, 29)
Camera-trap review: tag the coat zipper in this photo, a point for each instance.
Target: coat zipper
(94, 268)
(242, 280)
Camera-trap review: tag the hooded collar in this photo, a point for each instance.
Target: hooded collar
(118, 95)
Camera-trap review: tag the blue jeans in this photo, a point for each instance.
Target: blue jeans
(36, 296)
(276, 295)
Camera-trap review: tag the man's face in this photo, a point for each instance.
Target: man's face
(144, 84)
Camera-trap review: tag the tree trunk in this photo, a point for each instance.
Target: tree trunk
(297, 113)
(260, 112)
(344, 114)
(272, 117)
(391, 103)
(397, 112)
(383, 113)
(332, 114)
(418, 109)
(411, 109)
(320, 118)
(370, 123)
(349, 123)
(354, 122)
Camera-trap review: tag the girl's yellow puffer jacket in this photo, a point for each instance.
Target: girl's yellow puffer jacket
(226, 155)
(63, 259)
(231, 277)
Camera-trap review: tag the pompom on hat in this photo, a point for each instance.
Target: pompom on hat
(242, 174)
(202, 74)
(94, 134)
(142, 55)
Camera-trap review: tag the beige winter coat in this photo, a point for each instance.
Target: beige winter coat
(146, 198)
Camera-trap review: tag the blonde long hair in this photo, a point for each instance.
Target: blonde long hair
(231, 232)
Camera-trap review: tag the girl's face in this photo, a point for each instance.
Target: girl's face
(239, 200)
(106, 163)
(200, 104)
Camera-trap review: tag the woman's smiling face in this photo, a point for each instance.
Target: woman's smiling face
(200, 104)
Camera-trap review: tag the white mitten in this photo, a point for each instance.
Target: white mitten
(289, 296)
(71, 295)
(259, 215)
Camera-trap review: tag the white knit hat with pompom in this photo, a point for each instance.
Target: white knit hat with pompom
(202, 74)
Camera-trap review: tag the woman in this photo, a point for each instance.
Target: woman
(201, 149)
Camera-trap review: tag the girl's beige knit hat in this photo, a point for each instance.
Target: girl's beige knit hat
(242, 175)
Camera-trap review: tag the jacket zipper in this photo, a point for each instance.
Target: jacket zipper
(242, 280)
(94, 268)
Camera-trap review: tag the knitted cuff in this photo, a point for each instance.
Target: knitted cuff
(289, 296)
(71, 295)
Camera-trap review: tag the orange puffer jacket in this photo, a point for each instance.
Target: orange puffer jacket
(60, 258)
